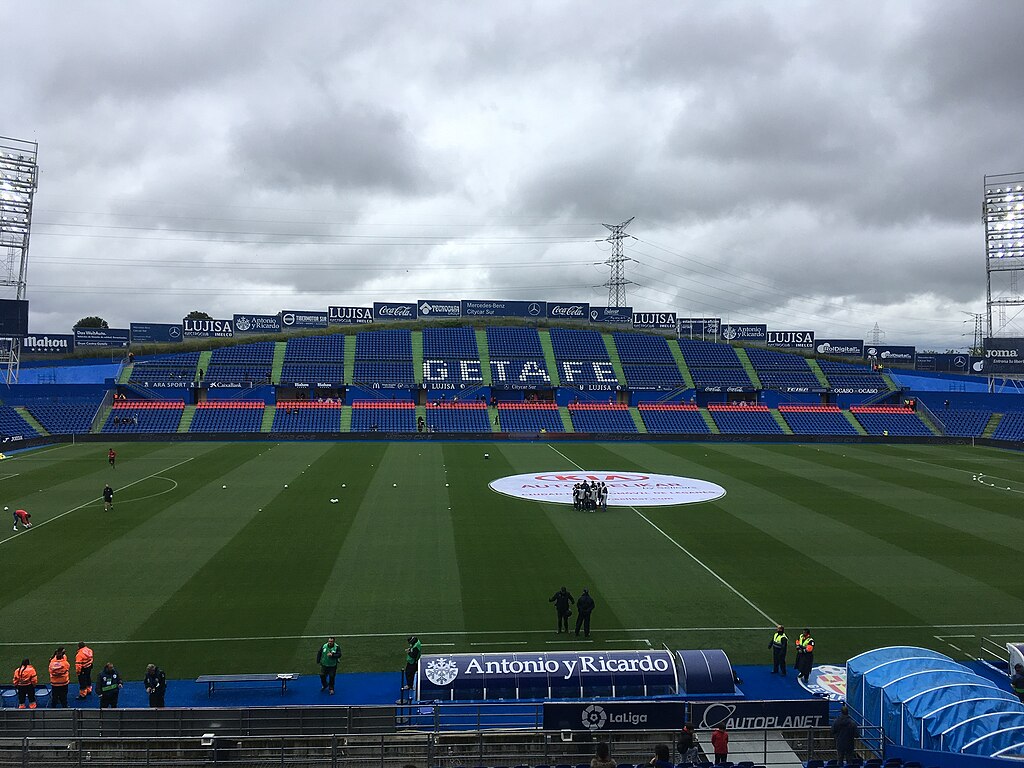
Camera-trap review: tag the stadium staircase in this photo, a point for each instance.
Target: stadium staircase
(930, 419)
(566, 418)
(346, 418)
(781, 421)
(638, 420)
(677, 355)
(741, 353)
(421, 411)
(856, 424)
(710, 422)
(889, 382)
(549, 357)
(993, 422)
(350, 361)
(126, 373)
(30, 419)
(819, 374)
(485, 357)
(492, 417)
(613, 355)
(278, 364)
(417, 357)
(187, 414)
(268, 417)
(204, 361)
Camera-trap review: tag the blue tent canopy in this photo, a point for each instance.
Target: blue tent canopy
(875, 681)
(955, 726)
(917, 715)
(858, 665)
(983, 732)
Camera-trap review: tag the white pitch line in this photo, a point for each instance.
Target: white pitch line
(683, 549)
(9, 477)
(93, 501)
(563, 642)
(510, 642)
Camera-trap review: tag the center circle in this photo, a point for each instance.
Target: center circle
(625, 489)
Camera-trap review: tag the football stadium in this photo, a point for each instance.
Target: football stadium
(682, 520)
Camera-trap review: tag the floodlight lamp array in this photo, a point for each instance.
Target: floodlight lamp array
(1004, 221)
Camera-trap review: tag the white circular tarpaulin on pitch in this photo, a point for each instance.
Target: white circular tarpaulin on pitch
(625, 489)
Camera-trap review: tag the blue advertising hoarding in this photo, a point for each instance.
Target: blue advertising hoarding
(437, 308)
(393, 310)
(840, 347)
(156, 333)
(102, 337)
(889, 354)
(482, 308)
(569, 311)
(760, 715)
(301, 318)
(944, 363)
(659, 320)
(698, 327)
(48, 343)
(790, 339)
(206, 329)
(614, 715)
(755, 333)
(349, 315)
(13, 317)
(616, 315)
(257, 323)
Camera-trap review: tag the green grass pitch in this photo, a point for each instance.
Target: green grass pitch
(868, 545)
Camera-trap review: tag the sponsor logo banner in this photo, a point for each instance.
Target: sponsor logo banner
(946, 363)
(393, 310)
(230, 385)
(577, 311)
(428, 308)
(663, 320)
(891, 354)
(474, 308)
(303, 318)
(102, 337)
(977, 364)
(760, 715)
(257, 323)
(194, 329)
(617, 315)
(857, 390)
(169, 384)
(826, 681)
(625, 489)
(156, 333)
(349, 315)
(790, 339)
(717, 388)
(841, 347)
(699, 327)
(753, 332)
(1004, 355)
(48, 343)
(614, 716)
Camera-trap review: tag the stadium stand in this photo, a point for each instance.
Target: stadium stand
(806, 419)
(228, 416)
(713, 365)
(964, 423)
(641, 348)
(458, 417)
(654, 376)
(891, 419)
(13, 425)
(778, 370)
(720, 377)
(742, 419)
(676, 418)
(529, 417)
(181, 367)
(64, 418)
(517, 357)
(570, 344)
(245, 362)
(850, 375)
(314, 360)
(307, 416)
(384, 358)
(383, 416)
(451, 356)
(1011, 427)
(595, 417)
(142, 416)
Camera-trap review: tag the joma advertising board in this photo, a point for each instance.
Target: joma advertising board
(1004, 355)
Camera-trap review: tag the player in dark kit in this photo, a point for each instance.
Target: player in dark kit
(108, 497)
(562, 600)
(111, 457)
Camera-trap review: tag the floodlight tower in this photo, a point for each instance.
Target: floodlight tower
(18, 182)
(1003, 212)
(617, 281)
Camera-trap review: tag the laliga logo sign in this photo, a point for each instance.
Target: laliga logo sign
(625, 489)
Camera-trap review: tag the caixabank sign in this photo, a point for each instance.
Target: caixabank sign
(1004, 355)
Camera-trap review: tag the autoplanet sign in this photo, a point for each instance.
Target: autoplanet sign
(625, 489)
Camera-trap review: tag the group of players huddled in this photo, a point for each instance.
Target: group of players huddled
(587, 495)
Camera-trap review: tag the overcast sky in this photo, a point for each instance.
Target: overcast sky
(809, 165)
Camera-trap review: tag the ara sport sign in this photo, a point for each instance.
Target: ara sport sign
(625, 489)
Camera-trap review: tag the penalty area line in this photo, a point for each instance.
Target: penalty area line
(93, 501)
(684, 550)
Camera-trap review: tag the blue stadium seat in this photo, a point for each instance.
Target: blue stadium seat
(1011, 426)
(13, 425)
(383, 416)
(144, 416)
(587, 417)
(964, 423)
(570, 344)
(673, 419)
(73, 418)
(228, 416)
(769, 359)
(662, 376)
(531, 418)
(576, 372)
(720, 377)
(438, 371)
(514, 343)
(458, 417)
(450, 344)
(706, 354)
(315, 349)
(816, 420)
(307, 416)
(394, 372)
(529, 372)
(896, 420)
(389, 344)
(642, 348)
(313, 373)
(744, 420)
(180, 367)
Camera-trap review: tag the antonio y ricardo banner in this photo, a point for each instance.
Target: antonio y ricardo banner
(257, 323)
(616, 315)
(1004, 355)
(349, 315)
(791, 339)
(664, 321)
(156, 333)
(752, 333)
(480, 308)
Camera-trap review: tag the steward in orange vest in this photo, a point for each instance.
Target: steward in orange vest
(25, 679)
(60, 675)
(83, 668)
